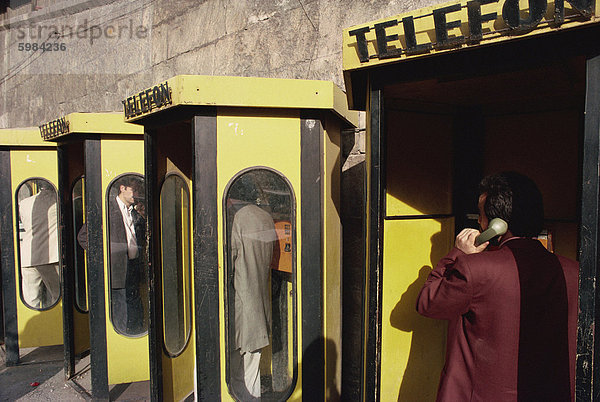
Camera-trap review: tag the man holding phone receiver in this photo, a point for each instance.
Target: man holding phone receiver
(512, 311)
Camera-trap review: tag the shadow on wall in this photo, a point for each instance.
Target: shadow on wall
(427, 349)
(312, 364)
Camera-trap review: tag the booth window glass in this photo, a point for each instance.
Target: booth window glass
(38, 244)
(79, 245)
(176, 263)
(127, 250)
(260, 293)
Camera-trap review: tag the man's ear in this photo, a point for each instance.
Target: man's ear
(121, 188)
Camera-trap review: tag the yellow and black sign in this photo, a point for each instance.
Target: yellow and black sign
(147, 100)
(459, 24)
(54, 128)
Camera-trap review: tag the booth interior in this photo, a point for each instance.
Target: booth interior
(444, 135)
(444, 123)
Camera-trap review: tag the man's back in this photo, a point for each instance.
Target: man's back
(512, 323)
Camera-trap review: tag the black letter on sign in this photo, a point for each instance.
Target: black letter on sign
(383, 39)
(442, 27)
(584, 7)
(156, 96)
(149, 98)
(361, 43)
(165, 94)
(476, 19)
(511, 11)
(143, 104)
(411, 38)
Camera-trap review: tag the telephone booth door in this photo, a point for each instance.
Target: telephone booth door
(31, 268)
(435, 127)
(261, 170)
(104, 223)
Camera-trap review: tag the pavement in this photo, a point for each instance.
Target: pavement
(39, 377)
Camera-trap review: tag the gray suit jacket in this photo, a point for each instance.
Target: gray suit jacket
(39, 244)
(252, 239)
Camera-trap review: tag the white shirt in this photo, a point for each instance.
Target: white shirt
(132, 248)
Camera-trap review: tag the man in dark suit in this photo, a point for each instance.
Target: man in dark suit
(127, 247)
(511, 311)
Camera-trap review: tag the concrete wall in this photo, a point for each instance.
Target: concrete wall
(266, 38)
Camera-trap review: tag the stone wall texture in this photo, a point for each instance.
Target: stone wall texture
(264, 38)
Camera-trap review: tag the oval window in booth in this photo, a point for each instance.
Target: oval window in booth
(128, 275)
(38, 244)
(79, 245)
(176, 263)
(260, 285)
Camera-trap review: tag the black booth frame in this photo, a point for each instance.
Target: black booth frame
(94, 198)
(205, 249)
(464, 63)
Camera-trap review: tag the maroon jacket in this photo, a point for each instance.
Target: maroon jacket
(512, 326)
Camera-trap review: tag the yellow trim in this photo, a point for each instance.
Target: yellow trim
(425, 31)
(201, 90)
(105, 123)
(97, 123)
(412, 346)
(120, 157)
(35, 328)
(22, 137)
(247, 136)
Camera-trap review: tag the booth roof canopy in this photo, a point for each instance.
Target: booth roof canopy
(88, 123)
(197, 90)
(22, 137)
(451, 27)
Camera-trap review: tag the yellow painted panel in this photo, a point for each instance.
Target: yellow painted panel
(29, 136)
(332, 258)
(119, 157)
(258, 92)
(418, 167)
(412, 346)
(105, 123)
(82, 331)
(36, 328)
(255, 137)
(178, 372)
(494, 31)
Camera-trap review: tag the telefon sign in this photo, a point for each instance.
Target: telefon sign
(476, 20)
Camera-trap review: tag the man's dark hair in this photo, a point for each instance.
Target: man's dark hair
(130, 181)
(516, 199)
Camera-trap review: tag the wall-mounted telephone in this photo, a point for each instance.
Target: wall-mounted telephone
(496, 227)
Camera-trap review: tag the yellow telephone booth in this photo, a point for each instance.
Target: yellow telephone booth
(243, 190)
(31, 269)
(455, 92)
(100, 163)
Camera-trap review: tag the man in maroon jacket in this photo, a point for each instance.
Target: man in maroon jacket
(511, 311)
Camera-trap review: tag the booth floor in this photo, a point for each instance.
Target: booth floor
(39, 377)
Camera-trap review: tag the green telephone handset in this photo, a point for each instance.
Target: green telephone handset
(496, 227)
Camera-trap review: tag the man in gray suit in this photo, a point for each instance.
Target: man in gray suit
(252, 240)
(39, 248)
